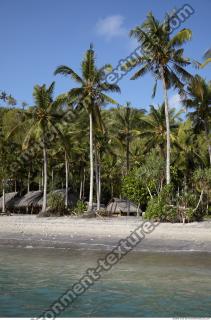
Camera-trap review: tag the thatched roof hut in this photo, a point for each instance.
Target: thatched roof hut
(30, 199)
(10, 199)
(122, 206)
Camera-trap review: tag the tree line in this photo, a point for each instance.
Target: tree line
(151, 158)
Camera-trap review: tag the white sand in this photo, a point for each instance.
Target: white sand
(28, 229)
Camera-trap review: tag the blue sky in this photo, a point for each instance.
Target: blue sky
(37, 36)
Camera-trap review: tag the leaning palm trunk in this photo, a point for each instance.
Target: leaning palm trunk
(168, 143)
(66, 180)
(45, 177)
(3, 197)
(208, 140)
(90, 206)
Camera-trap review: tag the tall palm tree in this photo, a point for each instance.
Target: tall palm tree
(162, 55)
(199, 98)
(43, 118)
(91, 95)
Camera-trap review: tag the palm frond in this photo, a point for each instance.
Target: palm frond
(67, 71)
(180, 38)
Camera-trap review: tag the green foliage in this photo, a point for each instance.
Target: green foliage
(202, 179)
(80, 207)
(159, 207)
(152, 35)
(56, 203)
(134, 189)
(141, 183)
(152, 172)
(124, 137)
(168, 207)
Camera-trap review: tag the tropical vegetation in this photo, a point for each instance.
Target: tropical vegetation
(85, 142)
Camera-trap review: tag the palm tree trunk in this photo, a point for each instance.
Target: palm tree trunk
(67, 180)
(3, 197)
(28, 182)
(91, 185)
(45, 176)
(81, 186)
(52, 179)
(99, 181)
(208, 140)
(84, 181)
(168, 143)
(42, 179)
(39, 184)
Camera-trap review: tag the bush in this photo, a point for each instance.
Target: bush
(80, 207)
(166, 208)
(134, 189)
(159, 208)
(145, 181)
(56, 203)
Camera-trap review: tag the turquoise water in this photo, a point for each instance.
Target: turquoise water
(141, 285)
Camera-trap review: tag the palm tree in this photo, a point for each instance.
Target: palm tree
(43, 119)
(162, 55)
(189, 156)
(199, 98)
(124, 122)
(154, 128)
(91, 95)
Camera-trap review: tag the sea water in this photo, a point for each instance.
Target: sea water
(141, 285)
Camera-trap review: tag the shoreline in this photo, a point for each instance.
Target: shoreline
(28, 231)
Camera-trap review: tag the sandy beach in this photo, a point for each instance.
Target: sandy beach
(70, 232)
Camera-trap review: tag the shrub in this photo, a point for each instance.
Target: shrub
(56, 203)
(166, 208)
(80, 207)
(160, 208)
(134, 189)
(145, 181)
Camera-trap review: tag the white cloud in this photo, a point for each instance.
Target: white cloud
(111, 27)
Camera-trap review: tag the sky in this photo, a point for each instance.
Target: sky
(37, 36)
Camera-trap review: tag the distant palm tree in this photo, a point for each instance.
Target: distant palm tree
(43, 119)
(162, 55)
(199, 98)
(125, 121)
(189, 156)
(91, 95)
(154, 128)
